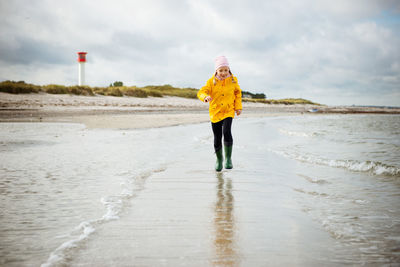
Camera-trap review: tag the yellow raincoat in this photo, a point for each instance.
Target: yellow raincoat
(226, 98)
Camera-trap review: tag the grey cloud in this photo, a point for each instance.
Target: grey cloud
(29, 51)
(323, 49)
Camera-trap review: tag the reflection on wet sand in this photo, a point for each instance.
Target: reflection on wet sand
(225, 245)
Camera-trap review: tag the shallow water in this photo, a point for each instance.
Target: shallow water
(305, 190)
(350, 166)
(60, 181)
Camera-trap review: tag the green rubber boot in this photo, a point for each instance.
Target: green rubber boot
(228, 155)
(220, 158)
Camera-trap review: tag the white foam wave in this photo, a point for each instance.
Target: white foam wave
(114, 206)
(58, 256)
(374, 167)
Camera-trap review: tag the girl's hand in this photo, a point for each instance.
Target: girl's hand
(238, 112)
(207, 99)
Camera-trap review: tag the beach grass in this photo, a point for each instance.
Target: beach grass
(169, 90)
(21, 87)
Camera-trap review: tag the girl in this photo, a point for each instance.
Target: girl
(224, 96)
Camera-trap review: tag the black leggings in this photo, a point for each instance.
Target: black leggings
(219, 128)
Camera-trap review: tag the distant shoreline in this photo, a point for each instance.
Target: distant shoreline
(132, 112)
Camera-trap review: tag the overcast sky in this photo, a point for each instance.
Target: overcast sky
(332, 52)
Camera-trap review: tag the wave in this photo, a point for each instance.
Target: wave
(114, 205)
(58, 256)
(374, 167)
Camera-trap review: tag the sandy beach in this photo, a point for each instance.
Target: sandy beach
(119, 112)
(131, 112)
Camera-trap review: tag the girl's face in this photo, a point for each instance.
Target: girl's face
(223, 72)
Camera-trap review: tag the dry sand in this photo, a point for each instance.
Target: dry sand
(131, 112)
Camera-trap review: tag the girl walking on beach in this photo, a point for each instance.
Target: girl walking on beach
(224, 96)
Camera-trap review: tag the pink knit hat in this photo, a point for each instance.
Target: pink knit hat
(221, 61)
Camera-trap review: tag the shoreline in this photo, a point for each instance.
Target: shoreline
(132, 112)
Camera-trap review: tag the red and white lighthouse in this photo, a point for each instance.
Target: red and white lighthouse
(82, 61)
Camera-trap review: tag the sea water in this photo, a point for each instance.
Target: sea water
(348, 170)
(60, 183)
